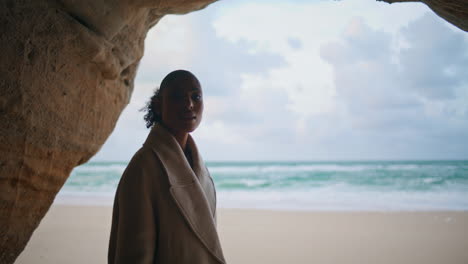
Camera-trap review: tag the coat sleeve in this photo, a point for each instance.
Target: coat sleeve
(134, 233)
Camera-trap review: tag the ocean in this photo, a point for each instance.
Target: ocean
(331, 185)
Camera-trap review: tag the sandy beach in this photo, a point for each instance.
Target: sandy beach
(79, 234)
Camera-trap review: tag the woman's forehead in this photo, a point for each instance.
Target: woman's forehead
(185, 85)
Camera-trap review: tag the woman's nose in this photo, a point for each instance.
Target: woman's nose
(189, 103)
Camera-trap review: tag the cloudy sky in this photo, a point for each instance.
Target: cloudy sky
(311, 80)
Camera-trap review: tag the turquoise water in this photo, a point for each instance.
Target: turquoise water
(339, 185)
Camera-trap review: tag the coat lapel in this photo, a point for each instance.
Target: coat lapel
(185, 187)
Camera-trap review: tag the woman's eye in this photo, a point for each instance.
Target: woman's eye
(197, 97)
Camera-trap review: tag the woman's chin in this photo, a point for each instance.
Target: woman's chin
(190, 126)
(187, 128)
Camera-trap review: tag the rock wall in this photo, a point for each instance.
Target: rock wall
(66, 73)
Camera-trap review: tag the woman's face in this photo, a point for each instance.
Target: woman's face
(181, 105)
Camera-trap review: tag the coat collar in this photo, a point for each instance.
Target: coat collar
(185, 188)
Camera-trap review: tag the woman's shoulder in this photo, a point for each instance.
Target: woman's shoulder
(144, 161)
(144, 154)
(142, 178)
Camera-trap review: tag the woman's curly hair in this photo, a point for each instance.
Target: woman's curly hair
(152, 116)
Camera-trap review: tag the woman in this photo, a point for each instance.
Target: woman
(165, 204)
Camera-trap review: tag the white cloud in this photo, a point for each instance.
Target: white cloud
(311, 80)
(169, 43)
(306, 78)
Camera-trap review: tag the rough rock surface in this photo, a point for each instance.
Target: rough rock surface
(66, 73)
(454, 11)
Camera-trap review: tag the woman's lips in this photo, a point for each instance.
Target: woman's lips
(189, 117)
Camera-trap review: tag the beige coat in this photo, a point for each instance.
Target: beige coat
(165, 211)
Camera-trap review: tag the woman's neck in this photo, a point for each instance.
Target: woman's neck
(181, 137)
(182, 140)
